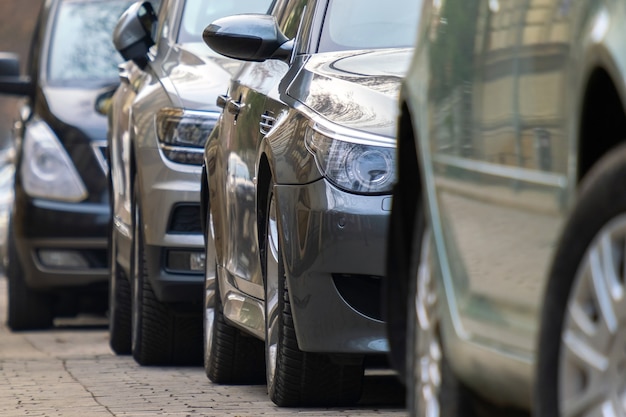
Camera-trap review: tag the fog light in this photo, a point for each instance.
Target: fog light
(63, 259)
(185, 261)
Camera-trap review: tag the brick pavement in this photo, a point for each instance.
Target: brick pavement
(70, 371)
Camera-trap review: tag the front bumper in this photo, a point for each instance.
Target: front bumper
(41, 226)
(334, 248)
(167, 191)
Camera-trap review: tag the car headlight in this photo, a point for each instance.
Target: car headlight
(350, 163)
(183, 133)
(47, 170)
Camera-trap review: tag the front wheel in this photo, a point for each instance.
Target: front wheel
(160, 336)
(120, 322)
(27, 309)
(297, 378)
(432, 387)
(230, 357)
(582, 342)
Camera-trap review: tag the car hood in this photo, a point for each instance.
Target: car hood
(356, 89)
(76, 107)
(199, 76)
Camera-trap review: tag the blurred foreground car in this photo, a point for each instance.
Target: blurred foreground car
(57, 247)
(297, 195)
(512, 134)
(160, 118)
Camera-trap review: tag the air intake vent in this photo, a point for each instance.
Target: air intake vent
(185, 218)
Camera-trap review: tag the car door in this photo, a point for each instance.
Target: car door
(247, 117)
(499, 155)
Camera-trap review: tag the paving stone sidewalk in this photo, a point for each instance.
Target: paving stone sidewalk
(71, 372)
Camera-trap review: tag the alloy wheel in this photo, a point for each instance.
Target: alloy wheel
(427, 368)
(592, 360)
(210, 277)
(272, 292)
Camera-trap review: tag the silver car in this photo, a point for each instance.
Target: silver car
(297, 188)
(160, 117)
(512, 135)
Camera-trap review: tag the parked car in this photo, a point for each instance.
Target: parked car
(297, 192)
(512, 136)
(160, 118)
(57, 246)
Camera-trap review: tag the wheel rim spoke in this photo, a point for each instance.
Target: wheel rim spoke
(593, 349)
(428, 346)
(272, 293)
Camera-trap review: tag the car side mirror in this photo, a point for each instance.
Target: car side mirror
(104, 101)
(132, 35)
(10, 80)
(248, 37)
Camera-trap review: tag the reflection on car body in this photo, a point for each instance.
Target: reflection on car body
(513, 112)
(161, 115)
(297, 189)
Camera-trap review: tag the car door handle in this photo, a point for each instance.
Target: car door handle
(234, 107)
(266, 123)
(222, 100)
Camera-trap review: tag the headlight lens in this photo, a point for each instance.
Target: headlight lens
(353, 166)
(183, 133)
(47, 170)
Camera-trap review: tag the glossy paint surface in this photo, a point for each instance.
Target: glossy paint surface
(496, 92)
(327, 233)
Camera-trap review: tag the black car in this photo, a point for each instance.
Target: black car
(57, 245)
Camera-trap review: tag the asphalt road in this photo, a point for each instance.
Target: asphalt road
(70, 371)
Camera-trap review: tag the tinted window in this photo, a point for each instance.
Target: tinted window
(367, 24)
(198, 14)
(81, 48)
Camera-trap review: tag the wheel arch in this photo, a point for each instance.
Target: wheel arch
(264, 179)
(602, 119)
(399, 251)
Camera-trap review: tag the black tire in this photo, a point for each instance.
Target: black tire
(231, 357)
(120, 306)
(395, 288)
(452, 398)
(27, 309)
(602, 198)
(300, 378)
(159, 335)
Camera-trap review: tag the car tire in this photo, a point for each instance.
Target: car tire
(159, 335)
(296, 378)
(27, 309)
(432, 387)
(230, 356)
(581, 352)
(395, 289)
(120, 305)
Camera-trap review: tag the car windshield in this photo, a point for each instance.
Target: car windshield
(198, 14)
(367, 24)
(81, 48)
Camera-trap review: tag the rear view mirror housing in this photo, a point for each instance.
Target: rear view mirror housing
(10, 80)
(132, 35)
(248, 37)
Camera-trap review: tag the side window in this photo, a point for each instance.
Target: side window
(290, 16)
(162, 26)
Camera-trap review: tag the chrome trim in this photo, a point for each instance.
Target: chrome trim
(497, 170)
(99, 149)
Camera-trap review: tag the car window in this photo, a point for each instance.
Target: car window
(367, 24)
(289, 16)
(198, 14)
(81, 47)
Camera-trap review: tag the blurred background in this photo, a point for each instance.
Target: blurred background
(17, 22)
